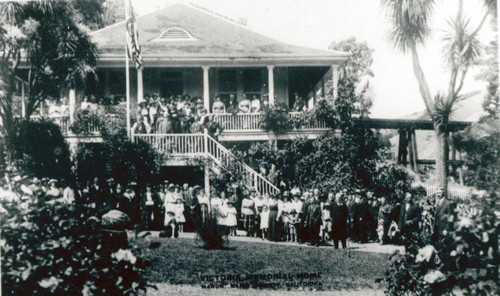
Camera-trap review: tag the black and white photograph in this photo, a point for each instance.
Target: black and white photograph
(249, 147)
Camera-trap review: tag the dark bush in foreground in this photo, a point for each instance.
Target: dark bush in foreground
(57, 250)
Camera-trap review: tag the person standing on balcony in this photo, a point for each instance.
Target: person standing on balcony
(64, 107)
(254, 104)
(84, 106)
(298, 104)
(142, 126)
(218, 106)
(162, 105)
(244, 105)
(164, 124)
(153, 112)
(143, 110)
(264, 107)
(232, 104)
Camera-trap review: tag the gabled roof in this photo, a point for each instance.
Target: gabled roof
(215, 39)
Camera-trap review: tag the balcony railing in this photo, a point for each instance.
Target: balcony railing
(93, 124)
(175, 144)
(204, 145)
(61, 121)
(252, 122)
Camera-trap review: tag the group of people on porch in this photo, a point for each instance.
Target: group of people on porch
(186, 114)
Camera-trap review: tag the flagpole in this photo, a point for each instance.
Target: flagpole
(127, 77)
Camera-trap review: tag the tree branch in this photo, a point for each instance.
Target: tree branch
(423, 86)
(474, 33)
(461, 84)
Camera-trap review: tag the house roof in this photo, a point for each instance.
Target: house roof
(215, 41)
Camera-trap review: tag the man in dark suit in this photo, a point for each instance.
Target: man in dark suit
(363, 217)
(445, 210)
(409, 218)
(98, 199)
(302, 231)
(313, 219)
(339, 214)
(151, 202)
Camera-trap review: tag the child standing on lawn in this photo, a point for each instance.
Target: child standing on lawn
(264, 221)
(179, 214)
(231, 219)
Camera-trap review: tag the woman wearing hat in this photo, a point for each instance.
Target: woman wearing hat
(170, 198)
(274, 230)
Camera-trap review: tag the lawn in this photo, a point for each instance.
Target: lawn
(181, 261)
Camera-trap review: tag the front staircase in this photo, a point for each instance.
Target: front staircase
(203, 145)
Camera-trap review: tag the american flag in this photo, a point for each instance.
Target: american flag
(134, 48)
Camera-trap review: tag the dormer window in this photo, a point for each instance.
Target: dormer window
(175, 34)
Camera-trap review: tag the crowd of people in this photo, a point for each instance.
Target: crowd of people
(302, 216)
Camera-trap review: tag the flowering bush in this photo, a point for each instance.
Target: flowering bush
(55, 249)
(463, 259)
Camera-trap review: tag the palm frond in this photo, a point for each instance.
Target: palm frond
(491, 5)
(444, 106)
(10, 12)
(461, 48)
(410, 21)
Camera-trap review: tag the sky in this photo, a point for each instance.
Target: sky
(316, 23)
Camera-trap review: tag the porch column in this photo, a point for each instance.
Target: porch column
(140, 89)
(72, 104)
(206, 89)
(335, 78)
(270, 77)
(23, 100)
(323, 88)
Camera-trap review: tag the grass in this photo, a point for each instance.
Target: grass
(180, 261)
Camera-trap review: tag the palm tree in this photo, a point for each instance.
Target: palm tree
(49, 36)
(410, 29)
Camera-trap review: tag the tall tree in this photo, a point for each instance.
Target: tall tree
(50, 37)
(461, 48)
(353, 83)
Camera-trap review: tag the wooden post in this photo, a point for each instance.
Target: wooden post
(72, 105)
(415, 151)
(140, 89)
(410, 150)
(206, 89)
(270, 78)
(335, 78)
(23, 100)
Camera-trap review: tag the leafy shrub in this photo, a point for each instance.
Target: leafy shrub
(86, 122)
(276, 119)
(324, 111)
(40, 149)
(465, 259)
(391, 181)
(119, 158)
(57, 250)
